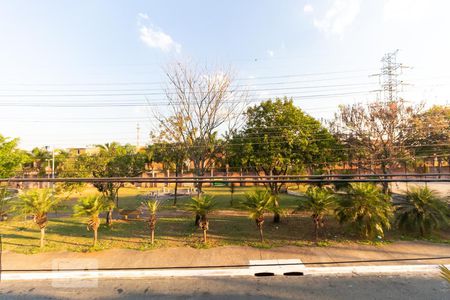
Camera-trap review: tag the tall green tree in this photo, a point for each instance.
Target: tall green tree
(40, 159)
(112, 160)
(11, 158)
(172, 156)
(278, 138)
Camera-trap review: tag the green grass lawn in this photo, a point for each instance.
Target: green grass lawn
(71, 234)
(228, 226)
(224, 199)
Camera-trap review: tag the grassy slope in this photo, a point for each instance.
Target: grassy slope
(227, 226)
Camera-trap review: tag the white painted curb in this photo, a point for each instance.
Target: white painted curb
(368, 270)
(250, 271)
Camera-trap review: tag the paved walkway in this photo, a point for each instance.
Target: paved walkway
(235, 255)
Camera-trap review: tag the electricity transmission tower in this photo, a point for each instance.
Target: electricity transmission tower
(389, 76)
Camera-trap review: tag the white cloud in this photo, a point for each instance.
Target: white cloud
(308, 8)
(143, 16)
(270, 53)
(154, 37)
(338, 17)
(405, 10)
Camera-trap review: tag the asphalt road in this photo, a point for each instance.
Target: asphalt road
(356, 287)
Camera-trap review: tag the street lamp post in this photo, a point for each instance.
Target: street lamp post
(52, 171)
(53, 162)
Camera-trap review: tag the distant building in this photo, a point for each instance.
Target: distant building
(79, 151)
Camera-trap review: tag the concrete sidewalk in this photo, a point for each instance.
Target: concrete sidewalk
(236, 255)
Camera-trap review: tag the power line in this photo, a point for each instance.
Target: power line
(244, 265)
(231, 91)
(162, 82)
(237, 88)
(143, 103)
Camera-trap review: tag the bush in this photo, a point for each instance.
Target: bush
(366, 207)
(422, 211)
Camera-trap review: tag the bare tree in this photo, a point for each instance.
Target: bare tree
(430, 135)
(202, 103)
(375, 133)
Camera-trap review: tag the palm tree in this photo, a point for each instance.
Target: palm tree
(91, 206)
(152, 206)
(258, 203)
(37, 202)
(202, 205)
(422, 211)
(318, 201)
(367, 207)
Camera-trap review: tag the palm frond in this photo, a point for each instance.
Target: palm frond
(445, 273)
(422, 210)
(90, 206)
(258, 203)
(152, 205)
(202, 205)
(366, 207)
(35, 201)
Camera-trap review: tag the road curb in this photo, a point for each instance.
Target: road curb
(372, 270)
(227, 272)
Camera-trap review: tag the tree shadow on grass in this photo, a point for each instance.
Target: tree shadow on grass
(13, 236)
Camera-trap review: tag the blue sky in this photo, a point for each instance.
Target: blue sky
(53, 51)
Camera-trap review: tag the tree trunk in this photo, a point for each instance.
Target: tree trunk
(175, 196)
(232, 187)
(439, 167)
(274, 189)
(153, 236)
(42, 236)
(316, 229)
(276, 215)
(204, 236)
(95, 237)
(261, 236)
(109, 217)
(117, 197)
(197, 220)
(385, 184)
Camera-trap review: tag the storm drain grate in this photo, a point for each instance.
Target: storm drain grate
(264, 274)
(293, 274)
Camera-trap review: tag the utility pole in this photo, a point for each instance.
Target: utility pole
(138, 128)
(53, 162)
